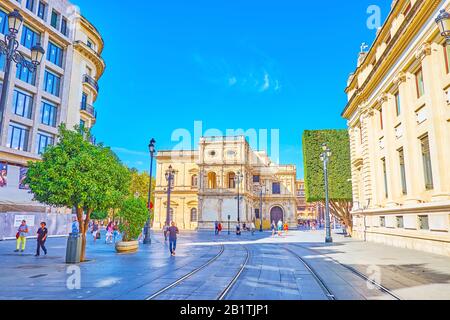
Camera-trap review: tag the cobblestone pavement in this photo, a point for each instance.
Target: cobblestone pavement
(295, 266)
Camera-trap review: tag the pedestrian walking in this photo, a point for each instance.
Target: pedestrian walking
(286, 228)
(21, 236)
(219, 228)
(109, 233)
(115, 232)
(75, 226)
(273, 228)
(41, 238)
(252, 228)
(95, 231)
(280, 227)
(173, 232)
(166, 231)
(238, 229)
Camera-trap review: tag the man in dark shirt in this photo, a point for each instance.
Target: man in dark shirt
(173, 231)
(41, 238)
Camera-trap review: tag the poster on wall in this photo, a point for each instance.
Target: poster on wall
(29, 218)
(22, 177)
(3, 174)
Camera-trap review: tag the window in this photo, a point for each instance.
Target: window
(22, 104)
(3, 22)
(54, 54)
(420, 84)
(30, 5)
(43, 141)
(426, 158)
(42, 9)
(231, 180)
(400, 223)
(64, 26)
(212, 180)
(194, 181)
(22, 73)
(89, 43)
(52, 83)
(257, 214)
(48, 114)
(256, 179)
(82, 125)
(276, 188)
(397, 103)
(84, 99)
(54, 19)
(193, 215)
(383, 222)
(424, 223)
(383, 163)
(18, 137)
(401, 156)
(29, 37)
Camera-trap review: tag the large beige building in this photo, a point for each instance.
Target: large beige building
(399, 122)
(205, 188)
(62, 90)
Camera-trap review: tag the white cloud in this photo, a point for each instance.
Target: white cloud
(232, 81)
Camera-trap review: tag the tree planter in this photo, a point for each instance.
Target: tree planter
(127, 246)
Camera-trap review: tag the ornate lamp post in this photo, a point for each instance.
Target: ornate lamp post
(262, 192)
(170, 174)
(8, 48)
(147, 237)
(238, 179)
(443, 22)
(325, 158)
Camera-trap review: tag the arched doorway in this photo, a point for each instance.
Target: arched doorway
(276, 214)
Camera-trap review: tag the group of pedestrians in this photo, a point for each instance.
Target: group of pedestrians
(112, 231)
(21, 238)
(279, 228)
(217, 228)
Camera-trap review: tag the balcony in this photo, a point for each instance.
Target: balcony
(91, 81)
(90, 110)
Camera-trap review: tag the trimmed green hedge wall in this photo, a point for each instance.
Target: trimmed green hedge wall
(339, 169)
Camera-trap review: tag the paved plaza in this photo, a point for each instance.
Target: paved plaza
(296, 266)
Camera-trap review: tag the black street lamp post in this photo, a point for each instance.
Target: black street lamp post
(238, 178)
(8, 48)
(147, 236)
(325, 158)
(262, 192)
(170, 174)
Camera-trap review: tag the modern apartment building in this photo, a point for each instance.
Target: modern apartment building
(63, 89)
(205, 187)
(398, 115)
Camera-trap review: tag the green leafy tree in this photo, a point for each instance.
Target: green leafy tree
(139, 185)
(133, 214)
(339, 172)
(99, 215)
(77, 174)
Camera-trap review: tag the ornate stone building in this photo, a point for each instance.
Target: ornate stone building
(205, 186)
(399, 122)
(63, 89)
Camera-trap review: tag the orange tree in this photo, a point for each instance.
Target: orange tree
(339, 172)
(78, 174)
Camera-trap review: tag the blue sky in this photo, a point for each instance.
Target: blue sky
(254, 64)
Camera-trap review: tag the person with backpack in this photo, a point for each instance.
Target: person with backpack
(21, 236)
(41, 238)
(219, 228)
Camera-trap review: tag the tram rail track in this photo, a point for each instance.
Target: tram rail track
(227, 290)
(361, 275)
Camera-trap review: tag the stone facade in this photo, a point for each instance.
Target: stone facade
(399, 123)
(205, 188)
(58, 23)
